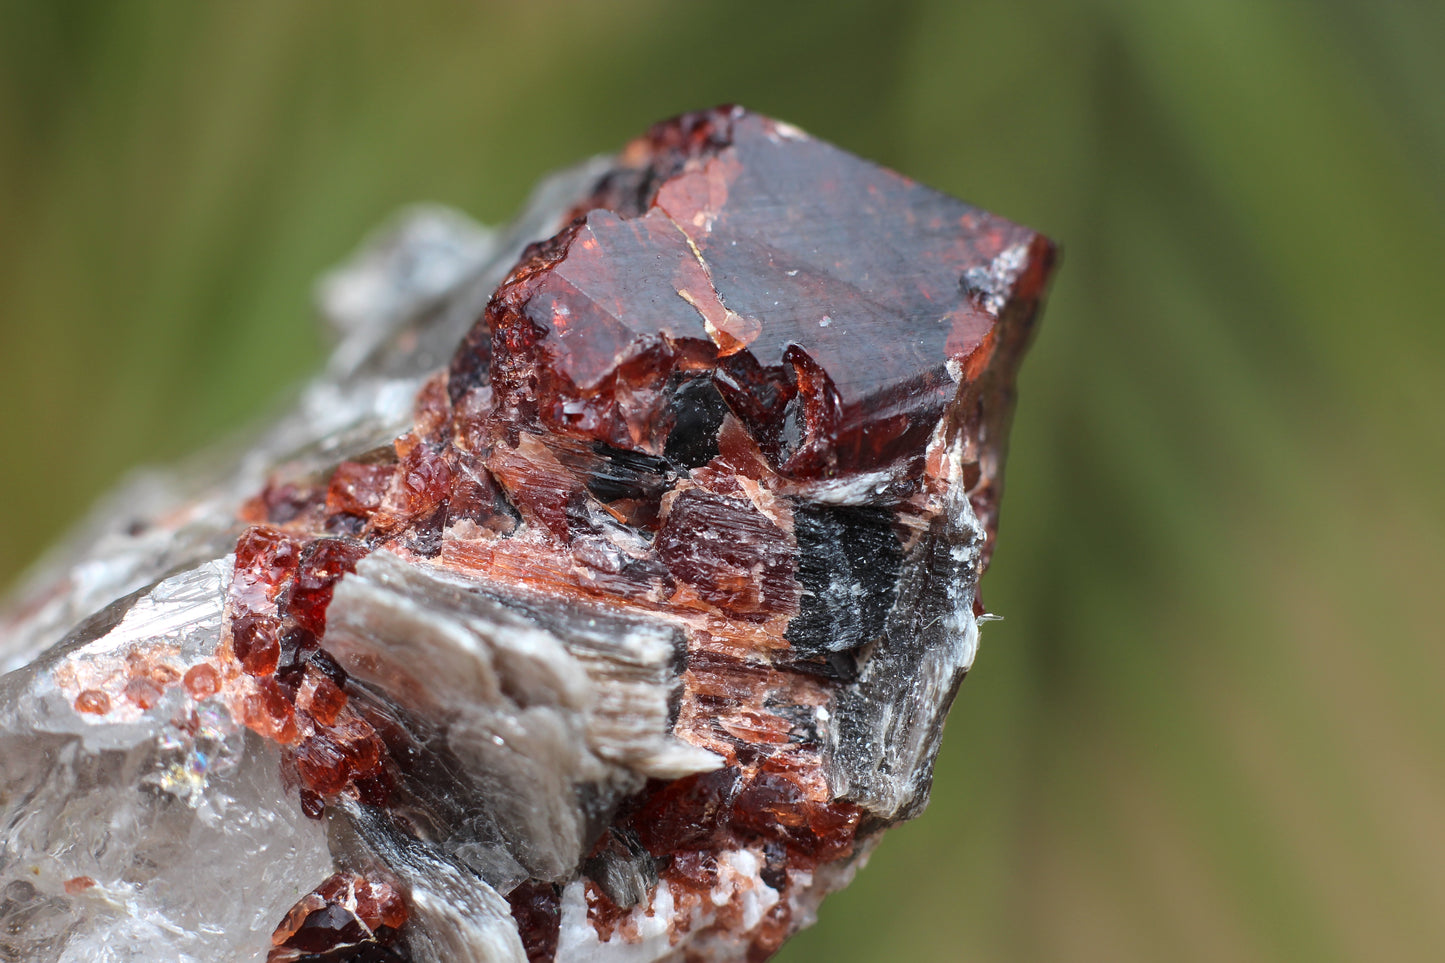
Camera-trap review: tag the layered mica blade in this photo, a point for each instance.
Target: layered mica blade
(602, 601)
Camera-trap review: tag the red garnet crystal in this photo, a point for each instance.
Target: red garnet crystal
(830, 305)
(646, 628)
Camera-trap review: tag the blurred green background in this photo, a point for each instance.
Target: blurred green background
(1212, 725)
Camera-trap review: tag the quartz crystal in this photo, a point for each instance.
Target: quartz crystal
(602, 600)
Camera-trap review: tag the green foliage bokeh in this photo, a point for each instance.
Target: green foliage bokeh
(1210, 726)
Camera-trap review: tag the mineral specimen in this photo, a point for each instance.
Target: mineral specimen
(620, 635)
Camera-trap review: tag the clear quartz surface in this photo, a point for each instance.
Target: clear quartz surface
(133, 838)
(140, 839)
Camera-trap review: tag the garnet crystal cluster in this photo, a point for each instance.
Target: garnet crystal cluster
(602, 601)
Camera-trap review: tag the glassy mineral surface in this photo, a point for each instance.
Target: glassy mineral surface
(603, 600)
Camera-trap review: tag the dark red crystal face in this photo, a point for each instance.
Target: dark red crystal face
(347, 919)
(835, 305)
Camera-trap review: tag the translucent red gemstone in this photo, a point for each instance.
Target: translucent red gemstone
(92, 701)
(202, 681)
(143, 692)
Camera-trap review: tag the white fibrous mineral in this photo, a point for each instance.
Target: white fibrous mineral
(601, 601)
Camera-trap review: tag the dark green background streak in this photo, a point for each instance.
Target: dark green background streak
(1211, 726)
